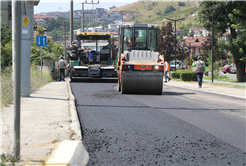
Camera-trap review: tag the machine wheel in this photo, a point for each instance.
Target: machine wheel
(142, 85)
(121, 86)
(71, 79)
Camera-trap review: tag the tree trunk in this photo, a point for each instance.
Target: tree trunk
(240, 71)
(240, 65)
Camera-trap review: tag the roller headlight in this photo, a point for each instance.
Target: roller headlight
(156, 67)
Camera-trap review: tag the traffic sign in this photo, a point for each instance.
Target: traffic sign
(25, 21)
(41, 40)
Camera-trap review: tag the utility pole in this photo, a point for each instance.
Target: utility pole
(16, 51)
(83, 14)
(71, 22)
(175, 37)
(64, 24)
(189, 53)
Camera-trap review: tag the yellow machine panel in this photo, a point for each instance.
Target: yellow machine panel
(94, 33)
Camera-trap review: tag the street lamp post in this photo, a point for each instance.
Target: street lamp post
(71, 22)
(83, 12)
(189, 53)
(175, 37)
(212, 47)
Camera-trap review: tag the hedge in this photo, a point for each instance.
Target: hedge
(177, 73)
(185, 75)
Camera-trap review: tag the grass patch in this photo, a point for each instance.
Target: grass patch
(36, 82)
(215, 84)
(226, 85)
(221, 78)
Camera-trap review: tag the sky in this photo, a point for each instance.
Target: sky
(64, 5)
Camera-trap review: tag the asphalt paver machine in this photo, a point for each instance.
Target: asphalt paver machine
(91, 56)
(140, 67)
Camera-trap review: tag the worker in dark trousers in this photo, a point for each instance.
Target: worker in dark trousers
(200, 69)
(62, 68)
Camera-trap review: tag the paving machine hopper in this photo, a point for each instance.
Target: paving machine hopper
(140, 68)
(93, 57)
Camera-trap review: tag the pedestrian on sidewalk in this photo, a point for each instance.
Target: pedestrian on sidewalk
(62, 68)
(166, 68)
(200, 69)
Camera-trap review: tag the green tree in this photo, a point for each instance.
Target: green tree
(220, 51)
(52, 50)
(228, 14)
(40, 30)
(167, 44)
(6, 45)
(51, 25)
(169, 9)
(181, 3)
(191, 34)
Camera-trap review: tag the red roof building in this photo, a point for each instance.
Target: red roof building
(195, 43)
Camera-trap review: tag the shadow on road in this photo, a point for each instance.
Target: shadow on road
(47, 98)
(175, 93)
(96, 80)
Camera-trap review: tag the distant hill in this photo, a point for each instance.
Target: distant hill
(156, 11)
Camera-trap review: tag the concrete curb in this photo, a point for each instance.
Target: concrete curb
(69, 153)
(75, 125)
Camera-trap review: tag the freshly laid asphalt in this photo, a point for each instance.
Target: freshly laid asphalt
(50, 131)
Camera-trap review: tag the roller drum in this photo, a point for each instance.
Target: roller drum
(142, 84)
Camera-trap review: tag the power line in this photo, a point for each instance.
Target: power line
(83, 3)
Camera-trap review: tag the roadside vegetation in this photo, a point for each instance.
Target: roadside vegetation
(52, 50)
(214, 83)
(7, 83)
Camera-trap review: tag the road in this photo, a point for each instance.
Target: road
(180, 127)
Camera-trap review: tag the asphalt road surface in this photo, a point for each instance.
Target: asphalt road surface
(180, 127)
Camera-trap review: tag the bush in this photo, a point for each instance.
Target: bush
(188, 76)
(176, 74)
(181, 3)
(185, 75)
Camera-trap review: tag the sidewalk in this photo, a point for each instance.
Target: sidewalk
(222, 82)
(240, 93)
(48, 122)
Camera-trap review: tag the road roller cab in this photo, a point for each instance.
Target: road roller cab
(140, 70)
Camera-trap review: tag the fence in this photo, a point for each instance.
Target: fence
(6, 87)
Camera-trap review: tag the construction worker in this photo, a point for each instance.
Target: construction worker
(166, 68)
(62, 68)
(131, 39)
(200, 69)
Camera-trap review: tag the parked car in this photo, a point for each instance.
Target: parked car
(179, 65)
(233, 69)
(226, 68)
